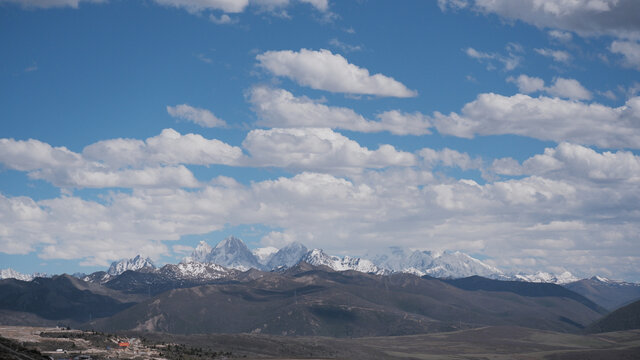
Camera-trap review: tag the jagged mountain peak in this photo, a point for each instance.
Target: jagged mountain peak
(545, 277)
(135, 264)
(318, 257)
(200, 253)
(233, 253)
(287, 256)
(231, 242)
(9, 273)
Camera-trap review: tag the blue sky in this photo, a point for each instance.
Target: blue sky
(505, 129)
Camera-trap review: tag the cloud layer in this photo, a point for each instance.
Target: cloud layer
(572, 207)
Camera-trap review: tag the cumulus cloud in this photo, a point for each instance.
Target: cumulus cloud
(545, 118)
(156, 162)
(585, 17)
(280, 108)
(565, 88)
(580, 162)
(318, 149)
(199, 116)
(168, 148)
(323, 70)
(630, 52)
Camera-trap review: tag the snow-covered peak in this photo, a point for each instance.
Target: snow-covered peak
(264, 254)
(611, 282)
(135, 264)
(233, 253)
(455, 264)
(545, 277)
(287, 256)
(318, 257)
(195, 270)
(12, 274)
(446, 264)
(200, 253)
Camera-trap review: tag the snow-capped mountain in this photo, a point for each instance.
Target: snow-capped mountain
(264, 255)
(233, 253)
(200, 253)
(135, 264)
(398, 259)
(12, 274)
(287, 256)
(545, 277)
(318, 257)
(455, 264)
(195, 270)
(449, 264)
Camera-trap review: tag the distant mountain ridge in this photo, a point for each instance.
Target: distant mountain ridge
(232, 254)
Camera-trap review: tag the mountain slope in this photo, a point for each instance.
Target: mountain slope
(170, 277)
(60, 297)
(475, 283)
(308, 300)
(607, 293)
(625, 318)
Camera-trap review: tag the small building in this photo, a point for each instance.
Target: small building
(123, 344)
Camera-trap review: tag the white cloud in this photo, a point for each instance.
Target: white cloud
(156, 162)
(563, 36)
(199, 116)
(343, 46)
(585, 17)
(279, 108)
(46, 4)
(323, 70)
(569, 88)
(318, 149)
(546, 119)
(449, 158)
(509, 61)
(168, 148)
(582, 163)
(630, 52)
(527, 84)
(33, 154)
(195, 6)
(565, 88)
(99, 177)
(557, 55)
(223, 19)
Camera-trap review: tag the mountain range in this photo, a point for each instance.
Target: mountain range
(230, 257)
